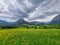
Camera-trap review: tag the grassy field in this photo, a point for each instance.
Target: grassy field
(20, 36)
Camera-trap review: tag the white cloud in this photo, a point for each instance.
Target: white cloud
(44, 11)
(16, 5)
(45, 19)
(3, 6)
(46, 8)
(28, 4)
(8, 19)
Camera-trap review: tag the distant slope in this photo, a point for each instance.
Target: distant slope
(7, 24)
(3, 23)
(56, 20)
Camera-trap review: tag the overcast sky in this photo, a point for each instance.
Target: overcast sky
(29, 10)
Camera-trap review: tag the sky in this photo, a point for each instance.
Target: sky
(29, 10)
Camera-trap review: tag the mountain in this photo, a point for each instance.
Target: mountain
(3, 23)
(56, 20)
(7, 24)
(21, 21)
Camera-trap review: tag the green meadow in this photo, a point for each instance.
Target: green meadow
(21, 36)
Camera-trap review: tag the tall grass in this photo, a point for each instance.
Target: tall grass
(19, 36)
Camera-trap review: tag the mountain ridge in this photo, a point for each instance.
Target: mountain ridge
(56, 20)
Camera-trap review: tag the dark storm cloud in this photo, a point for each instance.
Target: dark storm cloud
(29, 10)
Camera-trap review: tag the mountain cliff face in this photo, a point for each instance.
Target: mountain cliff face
(56, 20)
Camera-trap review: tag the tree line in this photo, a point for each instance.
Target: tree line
(35, 26)
(42, 26)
